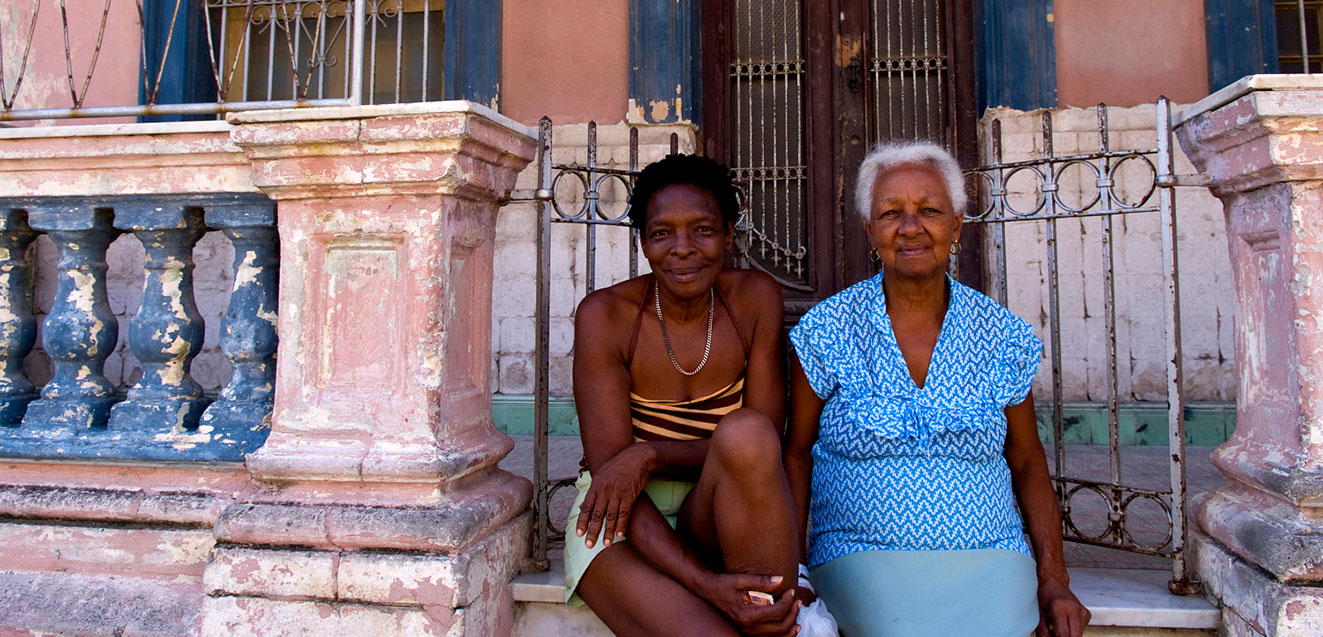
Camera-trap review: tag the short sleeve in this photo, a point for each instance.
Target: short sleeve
(1018, 362)
(805, 337)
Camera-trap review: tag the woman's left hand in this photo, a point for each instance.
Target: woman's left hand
(616, 485)
(1060, 613)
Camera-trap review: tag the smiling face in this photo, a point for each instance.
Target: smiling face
(912, 222)
(685, 240)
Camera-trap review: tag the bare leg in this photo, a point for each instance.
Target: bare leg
(740, 510)
(633, 598)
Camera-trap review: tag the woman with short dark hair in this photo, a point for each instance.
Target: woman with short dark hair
(912, 433)
(683, 505)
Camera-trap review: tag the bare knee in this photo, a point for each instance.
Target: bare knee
(747, 442)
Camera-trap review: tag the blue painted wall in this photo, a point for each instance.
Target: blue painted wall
(664, 59)
(473, 50)
(1242, 39)
(187, 76)
(1016, 54)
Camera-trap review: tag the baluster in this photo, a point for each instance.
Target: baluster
(248, 330)
(80, 332)
(166, 334)
(18, 327)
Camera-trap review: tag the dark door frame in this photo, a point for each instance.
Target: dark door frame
(836, 129)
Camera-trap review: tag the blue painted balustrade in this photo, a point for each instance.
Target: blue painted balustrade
(248, 330)
(18, 327)
(165, 416)
(166, 333)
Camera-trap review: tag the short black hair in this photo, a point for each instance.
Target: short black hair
(702, 172)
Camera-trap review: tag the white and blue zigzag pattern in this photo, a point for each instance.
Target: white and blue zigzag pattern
(902, 467)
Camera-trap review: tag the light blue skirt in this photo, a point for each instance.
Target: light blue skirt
(991, 592)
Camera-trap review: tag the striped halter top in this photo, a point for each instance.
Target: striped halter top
(692, 419)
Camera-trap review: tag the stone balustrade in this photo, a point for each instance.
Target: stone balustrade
(80, 413)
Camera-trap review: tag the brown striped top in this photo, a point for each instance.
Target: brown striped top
(693, 419)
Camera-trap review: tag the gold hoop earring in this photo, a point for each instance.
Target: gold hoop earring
(955, 247)
(873, 255)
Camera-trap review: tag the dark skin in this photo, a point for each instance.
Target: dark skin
(912, 225)
(734, 530)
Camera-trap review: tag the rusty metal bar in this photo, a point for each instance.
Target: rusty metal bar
(1181, 583)
(1052, 186)
(998, 231)
(590, 196)
(542, 343)
(633, 233)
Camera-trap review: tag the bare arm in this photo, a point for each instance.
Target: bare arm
(1061, 612)
(805, 410)
(619, 466)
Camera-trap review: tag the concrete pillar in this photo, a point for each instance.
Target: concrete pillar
(381, 460)
(1260, 144)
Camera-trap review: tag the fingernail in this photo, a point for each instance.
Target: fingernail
(620, 534)
(606, 542)
(776, 580)
(578, 532)
(588, 543)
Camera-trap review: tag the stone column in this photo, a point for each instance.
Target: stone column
(1260, 144)
(382, 447)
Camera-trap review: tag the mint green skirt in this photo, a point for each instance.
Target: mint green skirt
(985, 592)
(668, 495)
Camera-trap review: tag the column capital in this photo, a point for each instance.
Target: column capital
(387, 218)
(434, 148)
(1261, 130)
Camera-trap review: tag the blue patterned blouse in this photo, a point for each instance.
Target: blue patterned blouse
(899, 467)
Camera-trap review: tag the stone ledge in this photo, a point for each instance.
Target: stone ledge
(43, 603)
(1127, 598)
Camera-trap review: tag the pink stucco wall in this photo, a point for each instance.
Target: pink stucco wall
(1128, 52)
(46, 80)
(567, 59)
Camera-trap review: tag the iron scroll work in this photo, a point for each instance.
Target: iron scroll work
(997, 207)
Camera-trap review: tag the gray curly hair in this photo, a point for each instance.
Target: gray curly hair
(892, 154)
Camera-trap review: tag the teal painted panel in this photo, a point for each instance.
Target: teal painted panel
(664, 72)
(1014, 43)
(473, 51)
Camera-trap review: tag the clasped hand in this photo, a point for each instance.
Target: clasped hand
(610, 499)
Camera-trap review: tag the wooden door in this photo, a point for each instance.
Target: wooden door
(797, 91)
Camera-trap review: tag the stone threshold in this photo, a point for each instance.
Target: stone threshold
(1126, 598)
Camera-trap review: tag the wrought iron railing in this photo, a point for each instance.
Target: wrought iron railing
(1037, 198)
(262, 54)
(998, 208)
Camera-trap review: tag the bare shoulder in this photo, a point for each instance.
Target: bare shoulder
(609, 306)
(752, 293)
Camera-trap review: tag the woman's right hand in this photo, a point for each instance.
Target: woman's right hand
(610, 499)
(729, 593)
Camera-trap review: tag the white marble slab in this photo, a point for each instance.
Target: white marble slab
(1139, 598)
(1116, 597)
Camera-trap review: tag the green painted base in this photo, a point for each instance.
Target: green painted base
(513, 415)
(1207, 424)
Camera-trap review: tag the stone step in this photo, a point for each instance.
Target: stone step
(69, 604)
(1129, 602)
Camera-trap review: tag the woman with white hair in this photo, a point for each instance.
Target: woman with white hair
(912, 433)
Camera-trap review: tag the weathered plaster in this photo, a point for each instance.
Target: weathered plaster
(1263, 154)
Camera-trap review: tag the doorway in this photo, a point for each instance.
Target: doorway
(795, 92)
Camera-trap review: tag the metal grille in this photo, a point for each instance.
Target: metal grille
(282, 50)
(908, 70)
(767, 152)
(586, 182)
(1299, 23)
(264, 54)
(1030, 192)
